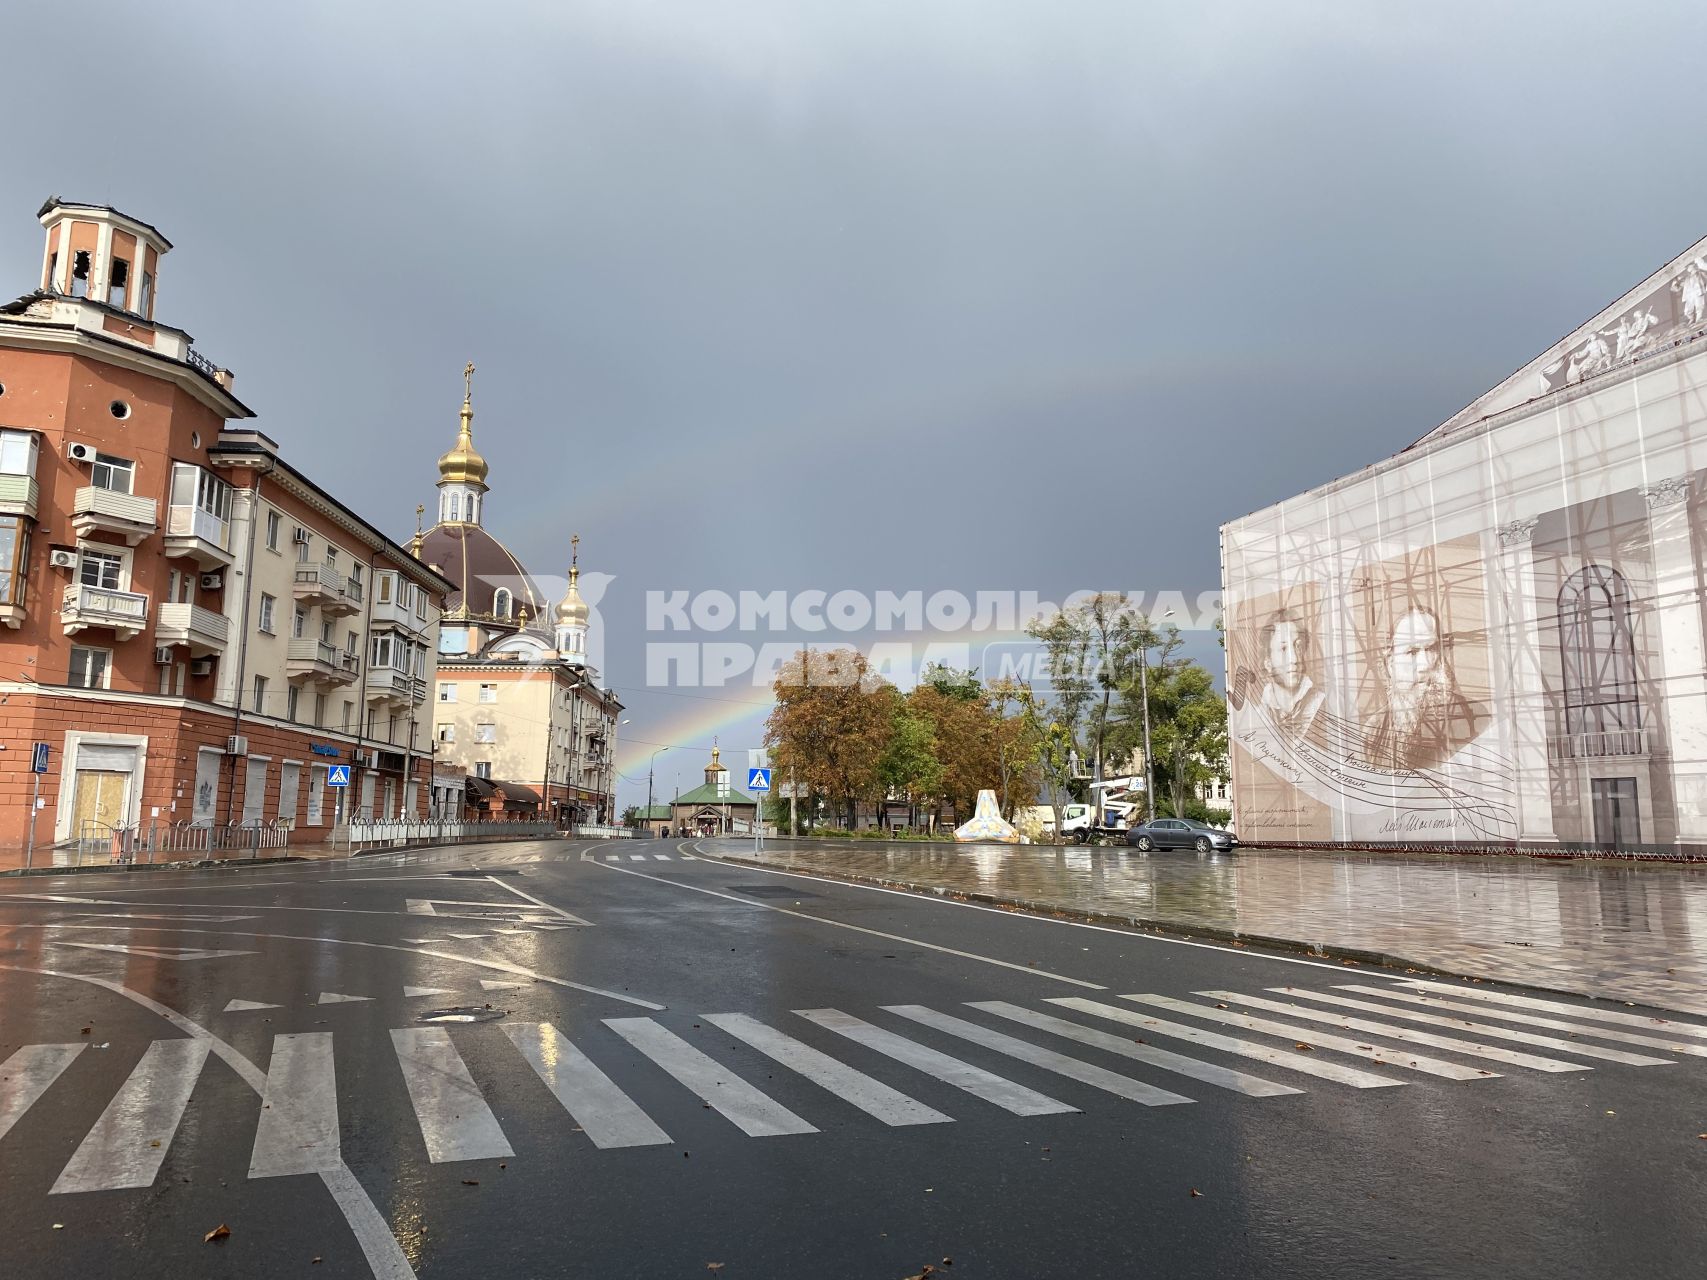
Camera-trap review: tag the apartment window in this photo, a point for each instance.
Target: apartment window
(18, 450)
(486, 733)
(119, 283)
(269, 606)
(383, 650)
(326, 633)
(391, 729)
(447, 733)
(421, 603)
(488, 693)
(275, 522)
(372, 721)
(447, 691)
(101, 569)
(356, 578)
(145, 296)
(80, 274)
(352, 643)
(14, 558)
(302, 545)
(260, 700)
(382, 588)
(421, 661)
(298, 623)
(319, 711)
(293, 696)
(483, 769)
(117, 475)
(331, 557)
(89, 668)
(344, 716)
(1598, 652)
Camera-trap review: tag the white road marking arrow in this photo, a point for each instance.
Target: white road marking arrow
(409, 993)
(159, 953)
(332, 997)
(243, 1006)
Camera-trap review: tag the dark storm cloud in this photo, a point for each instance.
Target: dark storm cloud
(900, 294)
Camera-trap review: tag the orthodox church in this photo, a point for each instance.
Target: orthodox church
(517, 705)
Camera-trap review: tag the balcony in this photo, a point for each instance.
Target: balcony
(18, 494)
(320, 662)
(203, 630)
(104, 511)
(198, 535)
(385, 684)
(125, 613)
(326, 588)
(1600, 745)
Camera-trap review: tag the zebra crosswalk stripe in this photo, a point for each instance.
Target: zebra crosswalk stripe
(298, 1130)
(455, 1122)
(983, 1084)
(1591, 1013)
(1084, 1072)
(740, 1103)
(27, 1075)
(1267, 1026)
(607, 1115)
(117, 1152)
(1353, 1076)
(1409, 1035)
(853, 1087)
(1208, 1073)
(1533, 1020)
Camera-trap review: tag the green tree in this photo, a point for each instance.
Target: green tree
(830, 727)
(909, 765)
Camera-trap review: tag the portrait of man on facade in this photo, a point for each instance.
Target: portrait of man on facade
(1424, 717)
(1289, 695)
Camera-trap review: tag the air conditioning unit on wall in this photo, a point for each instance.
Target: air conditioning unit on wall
(62, 557)
(237, 745)
(201, 667)
(213, 581)
(77, 451)
(162, 655)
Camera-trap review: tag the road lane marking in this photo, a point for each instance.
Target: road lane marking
(26, 1075)
(607, 1115)
(1167, 1060)
(856, 928)
(146, 1110)
(740, 1103)
(334, 997)
(157, 953)
(497, 984)
(420, 907)
(613, 857)
(1409, 1035)
(1353, 1076)
(410, 993)
(385, 1257)
(1267, 1026)
(456, 1123)
(244, 1006)
(980, 1083)
(500, 966)
(637, 857)
(570, 916)
(661, 857)
(298, 1131)
(1647, 1023)
(1501, 1033)
(853, 1087)
(1084, 1072)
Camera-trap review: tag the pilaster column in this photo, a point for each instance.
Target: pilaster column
(1518, 690)
(1682, 675)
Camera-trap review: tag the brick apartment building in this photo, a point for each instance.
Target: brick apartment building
(197, 629)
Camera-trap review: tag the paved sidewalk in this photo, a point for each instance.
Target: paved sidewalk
(1635, 932)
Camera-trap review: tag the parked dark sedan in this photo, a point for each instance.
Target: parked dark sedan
(1180, 833)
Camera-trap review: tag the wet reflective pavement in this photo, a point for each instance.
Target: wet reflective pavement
(1635, 932)
(624, 1060)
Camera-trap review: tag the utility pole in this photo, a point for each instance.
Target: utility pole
(1149, 768)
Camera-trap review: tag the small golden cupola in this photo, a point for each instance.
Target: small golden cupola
(572, 611)
(463, 471)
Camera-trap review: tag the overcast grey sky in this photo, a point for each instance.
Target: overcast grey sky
(878, 294)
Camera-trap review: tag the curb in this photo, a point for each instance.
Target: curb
(1168, 928)
(112, 868)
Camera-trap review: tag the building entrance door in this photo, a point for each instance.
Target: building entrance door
(1616, 822)
(98, 806)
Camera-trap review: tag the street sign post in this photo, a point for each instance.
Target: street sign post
(759, 783)
(38, 766)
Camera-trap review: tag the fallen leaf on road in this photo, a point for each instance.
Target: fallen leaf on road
(218, 1233)
(314, 1259)
(714, 1266)
(85, 1031)
(1195, 1194)
(1301, 1045)
(155, 1143)
(1220, 1006)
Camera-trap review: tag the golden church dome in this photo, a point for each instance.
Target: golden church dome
(464, 463)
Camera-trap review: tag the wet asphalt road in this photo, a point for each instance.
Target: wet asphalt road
(621, 1118)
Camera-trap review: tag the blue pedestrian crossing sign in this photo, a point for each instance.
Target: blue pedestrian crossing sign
(338, 776)
(758, 780)
(38, 758)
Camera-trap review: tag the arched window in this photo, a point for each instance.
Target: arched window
(502, 603)
(1598, 652)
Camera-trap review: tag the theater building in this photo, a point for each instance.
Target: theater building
(1497, 635)
(196, 629)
